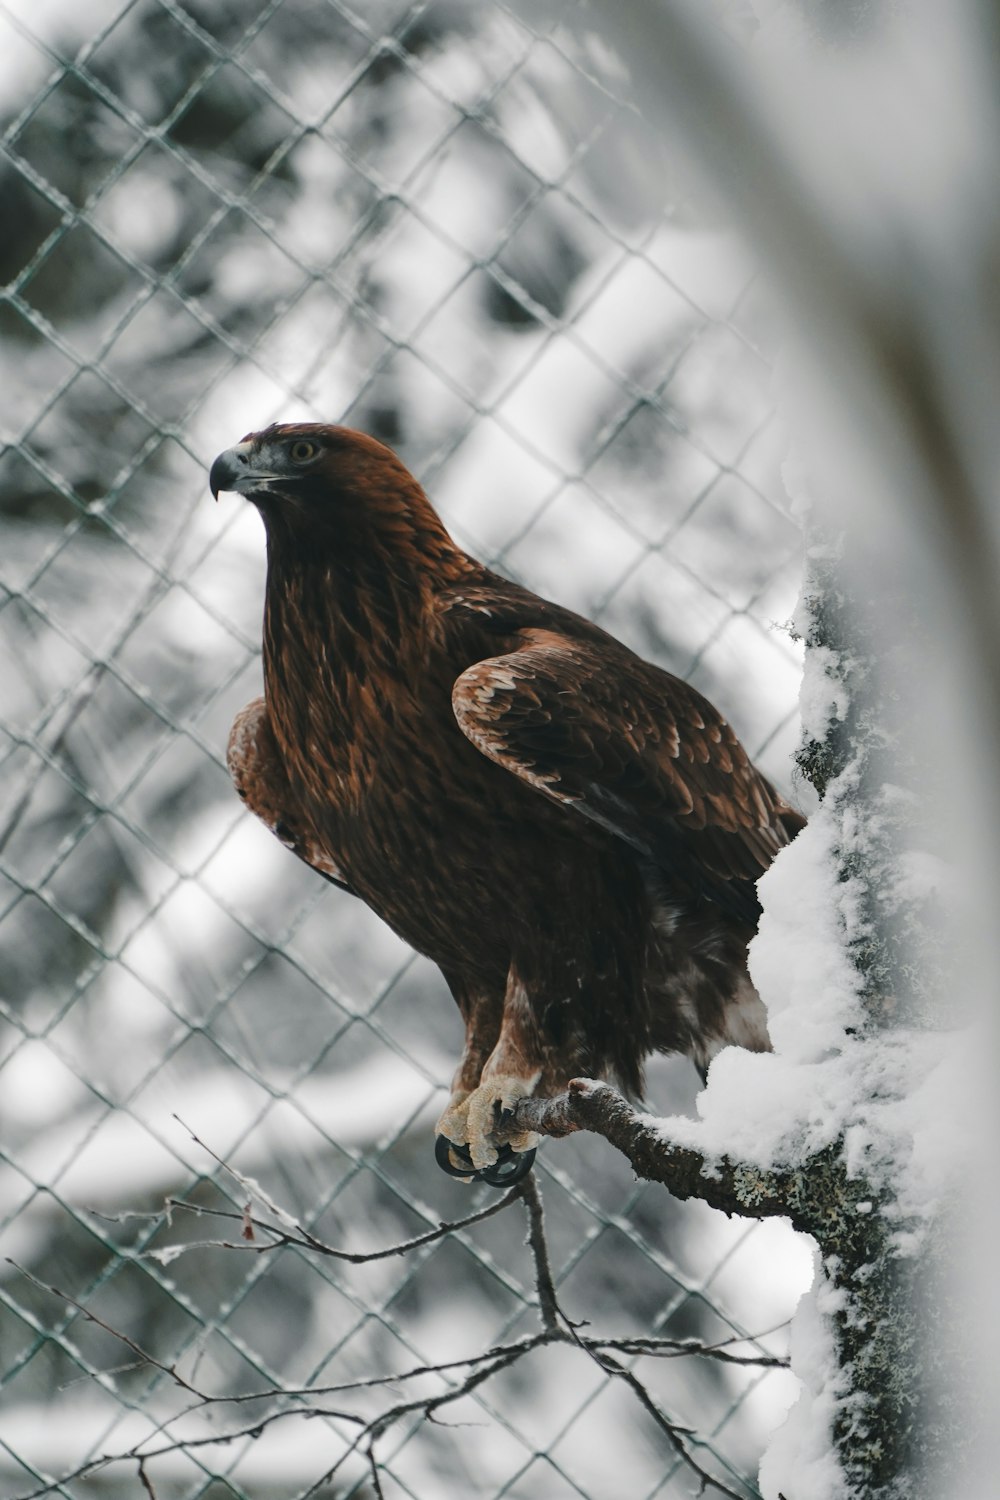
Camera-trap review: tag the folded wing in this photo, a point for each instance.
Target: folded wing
(633, 749)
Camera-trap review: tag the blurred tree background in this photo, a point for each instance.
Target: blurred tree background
(430, 221)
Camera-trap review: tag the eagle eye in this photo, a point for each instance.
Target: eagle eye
(301, 452)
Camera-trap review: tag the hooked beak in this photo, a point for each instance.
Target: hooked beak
(228, 469)
(234, 470)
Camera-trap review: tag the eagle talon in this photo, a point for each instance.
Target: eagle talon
(509, 1167)
(454, 1159)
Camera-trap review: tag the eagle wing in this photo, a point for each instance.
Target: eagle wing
(259, 776)
(635, 750)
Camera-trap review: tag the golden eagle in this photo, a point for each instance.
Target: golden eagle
(572, 834)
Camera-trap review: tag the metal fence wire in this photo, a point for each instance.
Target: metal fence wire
(434, 222)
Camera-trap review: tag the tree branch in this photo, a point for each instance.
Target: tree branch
(818, 1195)
(734, 1187)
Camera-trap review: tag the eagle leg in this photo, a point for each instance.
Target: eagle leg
(495, 1071)
(452, 1126)
(510, 1073)
(483, 1015)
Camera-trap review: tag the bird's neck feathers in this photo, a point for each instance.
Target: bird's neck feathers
(357, 592)
(372, 526)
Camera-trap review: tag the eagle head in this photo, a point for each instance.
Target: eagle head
(326, 491)
(309, 464)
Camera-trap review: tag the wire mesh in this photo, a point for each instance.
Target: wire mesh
(431, 221)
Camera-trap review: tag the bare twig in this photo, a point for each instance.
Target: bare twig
(681, 1348)
(426, 1406)
(674, 1433)
(145, 1480)
(470, 1373)
(559, 1329)
(290, 1232)
(123, 1338)
(548, 1306)
(304, 1239)
(184, 1445)
(480, 1368)
(373, 1469)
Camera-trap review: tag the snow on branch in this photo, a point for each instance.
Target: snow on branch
(733, 1187)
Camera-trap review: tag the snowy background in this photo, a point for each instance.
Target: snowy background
(432, 222)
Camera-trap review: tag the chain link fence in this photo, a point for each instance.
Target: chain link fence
(432, 221)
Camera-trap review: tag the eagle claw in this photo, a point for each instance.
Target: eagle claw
(509, 1167)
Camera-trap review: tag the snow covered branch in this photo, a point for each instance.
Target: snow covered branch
(732, 1186)
(819, 1196)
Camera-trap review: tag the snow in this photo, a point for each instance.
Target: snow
(888, 1095)
(823, 698)
(257, 1193)
(169, 1253)
(797, 959)
(800, 1460)
(769, 1108)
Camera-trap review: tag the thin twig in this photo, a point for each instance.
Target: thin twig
(123, 1338)
(427, 1406)
(306, 1240)
(559, 1329)
(556, 1329)
(240, 1398)
(146, 1481)
(681, 1348)
(548, 1305)
(674, 1432)
(303, 1238)
(373, 1469)
(185, 1445)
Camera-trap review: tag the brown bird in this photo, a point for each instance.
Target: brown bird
(571, 833)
